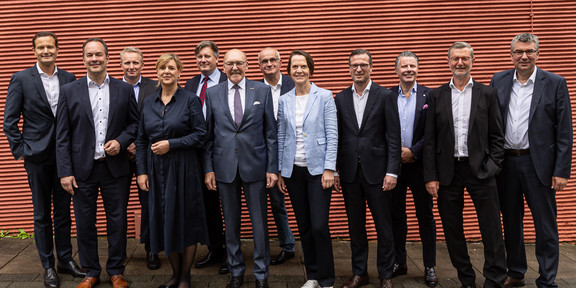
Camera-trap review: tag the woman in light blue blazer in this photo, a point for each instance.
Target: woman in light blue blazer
(307, 148)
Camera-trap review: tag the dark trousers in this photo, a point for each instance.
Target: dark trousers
(255, 194)
(411, 175)
(214, 221)
(113, 191)
(356, 195)
(518, 181)
(278, 205)
(451, 204)
(311, 206)
(144, 210)
(47, 192)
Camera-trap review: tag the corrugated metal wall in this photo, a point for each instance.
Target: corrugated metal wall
(329, 30)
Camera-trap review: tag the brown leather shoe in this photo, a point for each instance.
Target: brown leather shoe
(118, 281)
(386, 283)
(89, 282)
(356, 281)
(511, 282)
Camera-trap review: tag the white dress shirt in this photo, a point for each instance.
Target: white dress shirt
(461, 103)
(213, 79)
(360, 102)
(100, 103)
(51, 85)
(517, 121)
(275, 94)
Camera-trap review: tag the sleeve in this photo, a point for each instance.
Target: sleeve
(196, 124)
(12, 111)
(331, 130)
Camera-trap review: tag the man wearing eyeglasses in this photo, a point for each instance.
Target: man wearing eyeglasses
(242, 152)
(535, 107)
(464, 148)
(270, 64)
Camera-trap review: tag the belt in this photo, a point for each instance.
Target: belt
(517, 152)
(460, 159)
(100, 159)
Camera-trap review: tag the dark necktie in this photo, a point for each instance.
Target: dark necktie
(237, 106)
(203, 90)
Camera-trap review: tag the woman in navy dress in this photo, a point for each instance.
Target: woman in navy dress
(172, 129)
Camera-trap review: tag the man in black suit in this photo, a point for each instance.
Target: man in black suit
(464, 148)
(270, 64)
(97, 121)
(207, 54)
(536, 112)
(368, 165)
(33, 93)
(412, 108)
(132, 62)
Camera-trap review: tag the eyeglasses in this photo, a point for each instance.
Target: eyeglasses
(463, 59)
(271, 61)
(362, 66)
(237, 63)
(519, 53)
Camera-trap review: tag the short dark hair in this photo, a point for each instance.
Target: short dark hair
(95, 39)
(309, 60)
(44, 34)
(360, 52)
(406, 54)
(207, 43)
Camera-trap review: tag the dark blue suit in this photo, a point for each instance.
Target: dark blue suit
(529, 176)
(36, 144)
(75, 146)
(241, 157)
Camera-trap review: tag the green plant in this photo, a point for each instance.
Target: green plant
(21, 234)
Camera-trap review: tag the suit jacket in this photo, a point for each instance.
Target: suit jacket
(376, 144)
(192, 84)
(251, 149)
(550, 122)
(485, 135)
(147, 88)
(319, 129)
(26, 96)
(75, 140)
(419, 119)
(287, 84)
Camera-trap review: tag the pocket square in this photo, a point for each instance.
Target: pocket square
(425, 107)
(256, 103)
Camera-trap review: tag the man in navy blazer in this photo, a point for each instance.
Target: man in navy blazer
(412, 109)
(270, 64)
(33, 93)
(537, 117)
(242, 151)
(464, 148)
(97, 120)
(368, 165)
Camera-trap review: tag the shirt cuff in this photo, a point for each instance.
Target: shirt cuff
(392, 174)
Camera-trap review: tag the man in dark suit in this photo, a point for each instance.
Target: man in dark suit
(132, 62)
(464, 148)
(207, 54)
(33, 93)
(368, 165)
(97, 120)
(270, 64)
(242, 152)
(412, 112)
(537, 117)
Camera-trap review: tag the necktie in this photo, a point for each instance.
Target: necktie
(237, 107)
(203, 90)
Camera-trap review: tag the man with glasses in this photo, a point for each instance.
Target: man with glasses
(242, 152)
(464, 148)
(537, 117)
(270, 64)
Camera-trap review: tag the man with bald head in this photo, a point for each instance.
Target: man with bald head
(242, 152)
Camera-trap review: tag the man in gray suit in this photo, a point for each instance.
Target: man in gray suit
(242, 151)
(33, 93)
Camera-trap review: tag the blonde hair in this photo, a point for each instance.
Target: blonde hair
(165, 58)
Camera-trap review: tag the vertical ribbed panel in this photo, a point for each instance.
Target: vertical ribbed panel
(329, 30)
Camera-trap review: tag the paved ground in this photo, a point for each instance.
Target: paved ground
(20, 267)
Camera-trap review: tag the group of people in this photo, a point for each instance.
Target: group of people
(196, 149)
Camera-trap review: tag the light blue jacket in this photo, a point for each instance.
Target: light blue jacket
(319, 128)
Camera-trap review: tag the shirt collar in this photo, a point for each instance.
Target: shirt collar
(215, 76)
(42, 72)
(468, 85)
(532, 76)
(242, 84)
(137, 83)
(413, 90)
(367, 89)
(106, 80)
(278, 85)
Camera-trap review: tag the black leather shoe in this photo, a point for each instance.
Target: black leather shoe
(153, 262)
(235, 282)
(430, 277)
(71, 268)
(282, 257)
(224, 269)
(262, 283)
(210, 259)
(51, 278)
(399, 269)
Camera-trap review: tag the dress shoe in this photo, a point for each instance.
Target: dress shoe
(118, 281)
(224, 269)
(210, 259)
(282, 257)
(262, 283)
(89, 282)
(51, 278)
(71, 268)
(311, 284)
(153, 262)
(356, 281)
(512, 282)
(235, 282)
(399, 269)
(430, 277)
(386, 283)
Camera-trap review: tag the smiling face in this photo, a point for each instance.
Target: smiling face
(407, 69)
(360, 68)
(46, 50)
(168, 73)
(299, 70)
(235, 65)
(270, 64)
(460, 62)
(206, 61)
(131, 65)
(524, 63)
(95, 58)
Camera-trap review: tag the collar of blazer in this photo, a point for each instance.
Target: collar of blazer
(37, 80)
(291, 102)
(84, 96)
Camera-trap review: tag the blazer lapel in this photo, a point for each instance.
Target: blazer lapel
(223, 95)
(370, 102)
(473, 105)
(420, 100)
(113, 95)
(311, 101)
(446, 103)
(249, 100)
(537, 94)
(509, 79)
(40, 87)
(84, 96)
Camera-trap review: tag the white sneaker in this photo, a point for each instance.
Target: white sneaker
(311, 284)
